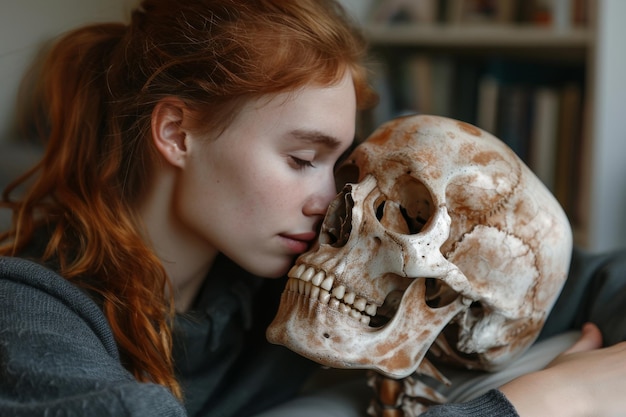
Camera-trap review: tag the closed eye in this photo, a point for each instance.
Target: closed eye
(300, 164)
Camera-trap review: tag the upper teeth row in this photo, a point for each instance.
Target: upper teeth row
(317, 285)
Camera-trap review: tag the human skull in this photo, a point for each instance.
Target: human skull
(443, 234)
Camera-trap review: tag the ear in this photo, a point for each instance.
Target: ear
(168, 134)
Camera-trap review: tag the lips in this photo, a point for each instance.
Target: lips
(299, 243)
(304, 237)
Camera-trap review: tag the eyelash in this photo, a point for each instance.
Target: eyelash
(301, 163)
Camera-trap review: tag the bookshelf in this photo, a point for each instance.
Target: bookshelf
(479, 37)
(530, 83)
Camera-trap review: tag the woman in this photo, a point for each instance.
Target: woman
(186, 154)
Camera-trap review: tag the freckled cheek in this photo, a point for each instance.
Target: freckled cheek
(263, 192)
(268, 202)
(283, 204)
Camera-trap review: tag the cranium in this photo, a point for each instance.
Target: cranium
(441, 233)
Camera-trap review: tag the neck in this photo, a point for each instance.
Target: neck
(185, 256)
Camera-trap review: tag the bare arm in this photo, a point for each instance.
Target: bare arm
(585, 380)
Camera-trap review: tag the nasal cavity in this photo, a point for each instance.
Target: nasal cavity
(338, 222)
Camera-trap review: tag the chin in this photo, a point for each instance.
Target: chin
(275, 274)
(271, 269)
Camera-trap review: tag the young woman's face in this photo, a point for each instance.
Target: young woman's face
(259, 192)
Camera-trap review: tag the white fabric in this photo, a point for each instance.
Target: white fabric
(467, 385)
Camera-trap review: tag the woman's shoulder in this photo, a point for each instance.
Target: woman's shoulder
(31, 276)
(34, 291)
(59, 354)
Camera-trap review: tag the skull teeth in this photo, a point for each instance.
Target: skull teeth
(339, 292)
(318, 286)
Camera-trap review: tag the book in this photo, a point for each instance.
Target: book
(443, 68)
(544, 133)
(481, 11)
(467, 74)
(419, 78)
(404, 11)
(513, 123)
(567, 175)
(487, 106)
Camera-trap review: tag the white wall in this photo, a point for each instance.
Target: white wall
(608, 192)
(25, 25)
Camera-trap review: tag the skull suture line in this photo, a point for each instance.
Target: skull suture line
(444, 235)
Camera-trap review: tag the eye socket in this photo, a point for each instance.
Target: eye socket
(347, 172)
(407, 209)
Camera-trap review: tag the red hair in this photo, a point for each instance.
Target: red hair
(98, 89)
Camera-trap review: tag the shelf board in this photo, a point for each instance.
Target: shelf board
(483, 36)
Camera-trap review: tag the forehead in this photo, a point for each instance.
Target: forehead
(328, 109)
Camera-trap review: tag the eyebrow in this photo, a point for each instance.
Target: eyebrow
(316, 137)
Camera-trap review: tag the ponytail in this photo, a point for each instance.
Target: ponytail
(77, 194)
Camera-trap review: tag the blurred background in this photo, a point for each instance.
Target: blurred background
(545, 76)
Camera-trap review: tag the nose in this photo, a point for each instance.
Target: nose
(318, 202)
